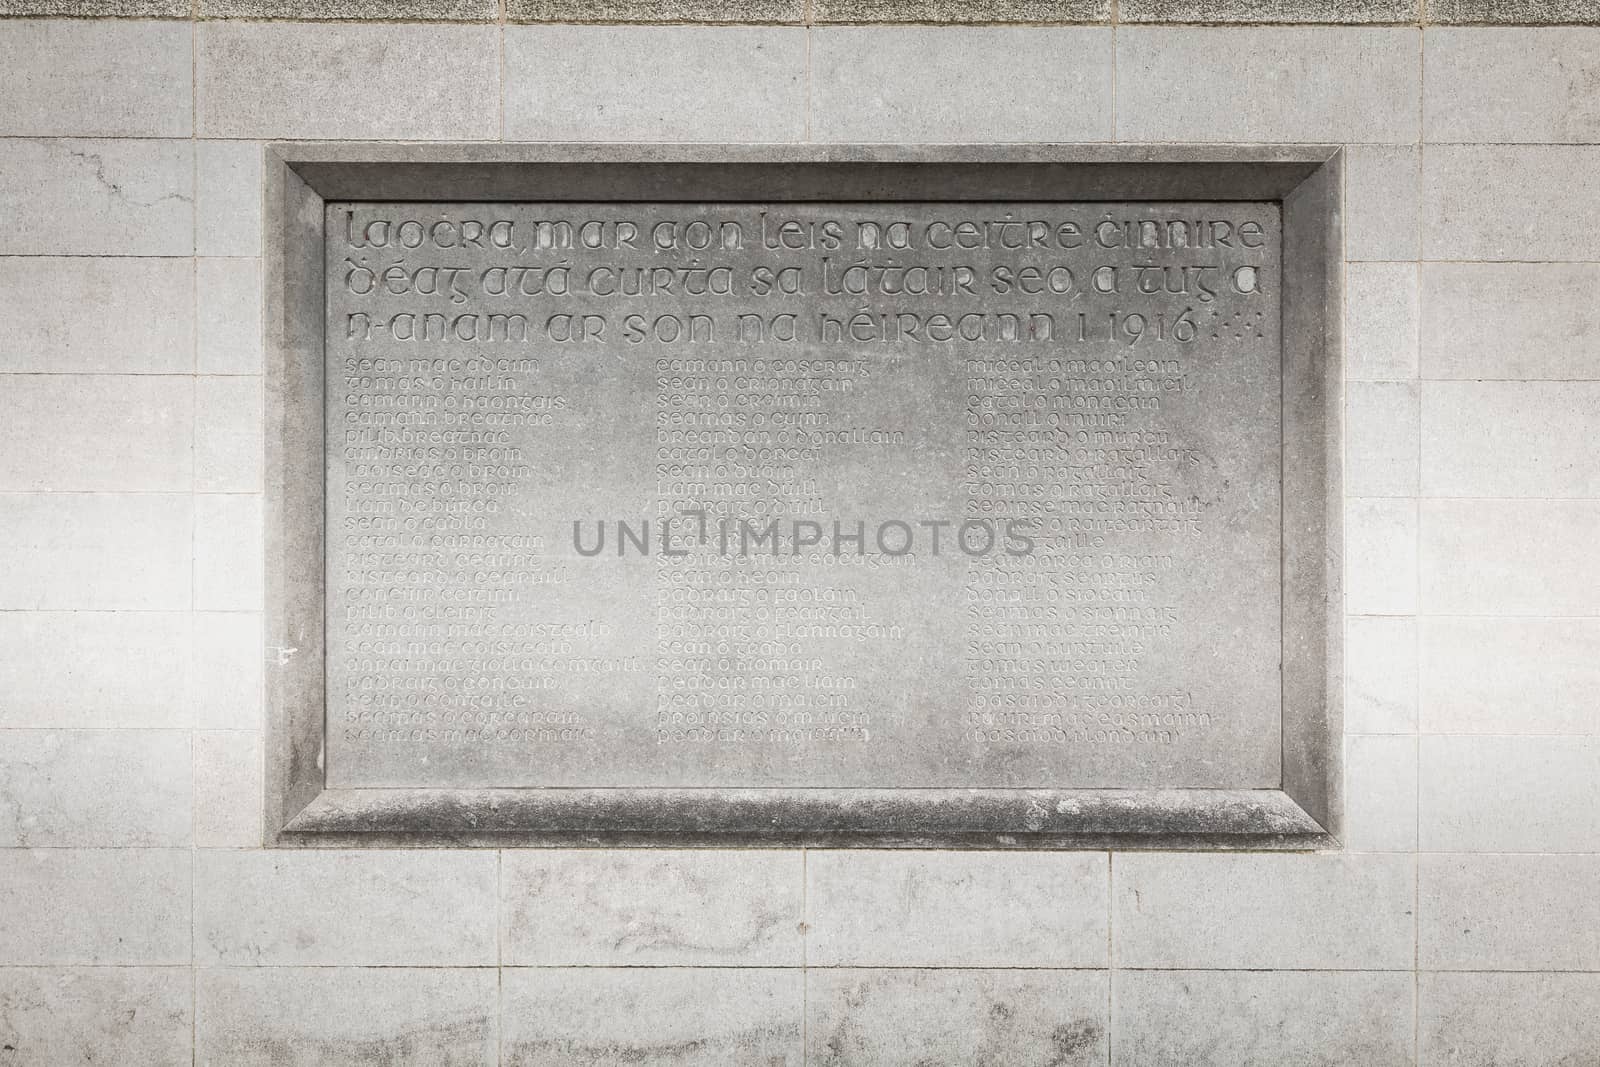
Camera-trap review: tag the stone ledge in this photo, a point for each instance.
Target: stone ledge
(845, 12)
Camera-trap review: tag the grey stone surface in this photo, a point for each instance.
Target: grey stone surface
(86, 9)
(907, 1017)
(227, 689)
(1478, 557)
(598, 1016)
(1509, 202)
(95, 79)
(373, 908)
(1510, 794)
(1490, 12)
(1282, 84)
(97, 197)
(744, 11)
(1382, 186)
(1268, 11)
(1350, 911)
(342, 1016)
(1380, 675)
(858, 684)
(625, 83)
(88, 1016)
(115, 906)
(908, 909)
(227, 788)
(228, 561)
(67, 669)
(1519, 1020)
(1381, 793)
(1513, 11)
(1381, 556)
(1542, 324)
(97, 551)
(1381, 434)
(1508, 913)
(355, 10)
(660, 908)
(1511, 439)
(132, 433)
(953, 85)
(228, 316)
(1381, 321)
(1034, 11)
(227, 434)
(274, 79)
(94, 788)
(227, 205)
(1509, 676)
(1512, 85)
(1262, 1018)
(83, 315)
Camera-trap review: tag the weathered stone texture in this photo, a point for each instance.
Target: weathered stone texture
(1268, 11)
(740, 11)
(958, 11)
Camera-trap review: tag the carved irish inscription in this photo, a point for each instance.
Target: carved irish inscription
(834, 495)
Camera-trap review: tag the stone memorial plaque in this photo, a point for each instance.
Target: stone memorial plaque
(695, 513)
(712, 495)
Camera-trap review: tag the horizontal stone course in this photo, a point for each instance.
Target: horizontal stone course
(371, 908)
(651, 908)
(371, 81)
(947, 84)
(796, 12)
(1250, 912)
(338, 1016)
(1496, 675)
(1510, 794)
(1269, 11)
(63, 78)
(81, 669)
(94, 788)
(1508, 912)
(1281, 84)
(1262, 1018)
(110, 906)
(578, 83)
(1508, 1018)
(597, 1016)
(859, 1017)
(906, 909)
(83, 1016)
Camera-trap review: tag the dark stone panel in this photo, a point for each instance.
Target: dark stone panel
(1515, 12)
(961, 11)
(96, 9)
(742, 11)
(357, 10)
(1350, 12)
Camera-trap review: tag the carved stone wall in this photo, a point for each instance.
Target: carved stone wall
(143, 922)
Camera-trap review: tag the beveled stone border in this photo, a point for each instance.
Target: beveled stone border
(1304, 813)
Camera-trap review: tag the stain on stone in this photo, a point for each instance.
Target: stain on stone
(1070, 1044)
(456, 1044)
(748, 1046)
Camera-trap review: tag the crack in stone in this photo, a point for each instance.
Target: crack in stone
(96, 160)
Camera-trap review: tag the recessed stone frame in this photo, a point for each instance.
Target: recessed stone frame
(1305, 813)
